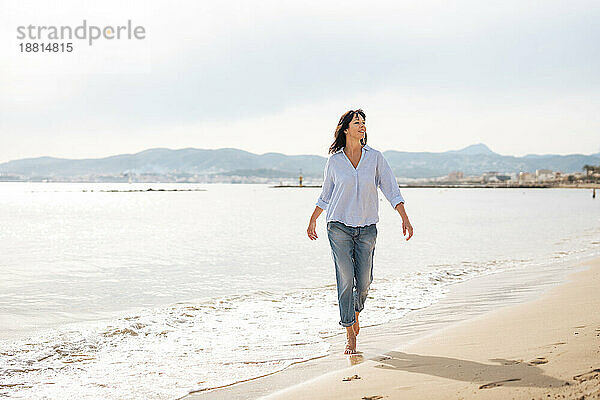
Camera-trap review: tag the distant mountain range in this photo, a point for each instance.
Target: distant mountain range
(477, 159)
(472, 160)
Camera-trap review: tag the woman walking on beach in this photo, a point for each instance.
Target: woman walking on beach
(352, 175)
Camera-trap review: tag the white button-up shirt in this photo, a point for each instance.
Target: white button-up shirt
(350, 194)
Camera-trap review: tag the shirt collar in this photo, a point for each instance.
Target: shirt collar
(366, 147)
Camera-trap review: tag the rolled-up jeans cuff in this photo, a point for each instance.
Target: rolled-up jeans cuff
(350, 324)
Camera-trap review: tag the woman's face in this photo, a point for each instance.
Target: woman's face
(357, 129)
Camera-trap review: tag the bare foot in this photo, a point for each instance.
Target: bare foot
(351, 344)
(356, 326)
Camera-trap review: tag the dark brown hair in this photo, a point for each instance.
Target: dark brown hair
(340, 136)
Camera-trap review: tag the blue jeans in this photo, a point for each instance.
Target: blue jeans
(352, 249)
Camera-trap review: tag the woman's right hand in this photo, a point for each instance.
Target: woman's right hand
(311, 231)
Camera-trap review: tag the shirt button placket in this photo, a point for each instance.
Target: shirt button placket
(356, 181)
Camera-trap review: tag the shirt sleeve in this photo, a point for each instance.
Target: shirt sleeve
(323, 200)
(386, 181)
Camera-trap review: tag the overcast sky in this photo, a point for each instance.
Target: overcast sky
(275, 76)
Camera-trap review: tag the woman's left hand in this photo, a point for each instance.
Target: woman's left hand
(406, 226)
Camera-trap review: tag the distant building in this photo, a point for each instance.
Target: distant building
(559, 176)
(455, 176)
(490, 176)
(543, 175)
(526, 177)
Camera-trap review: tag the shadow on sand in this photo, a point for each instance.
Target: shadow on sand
(515, 373)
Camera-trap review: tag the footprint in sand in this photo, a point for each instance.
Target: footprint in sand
(504, 361)
(538, 361)
(498, 383)
(349, 378)
(555, 344)
(593, 374)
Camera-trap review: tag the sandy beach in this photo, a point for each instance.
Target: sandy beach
(545, 348)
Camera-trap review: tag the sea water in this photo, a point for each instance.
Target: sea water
(107, 292)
